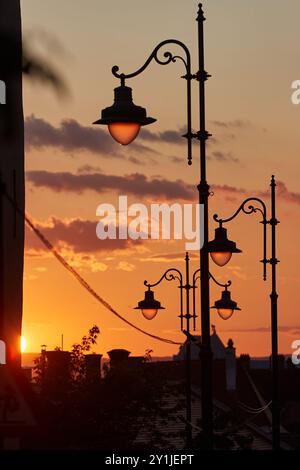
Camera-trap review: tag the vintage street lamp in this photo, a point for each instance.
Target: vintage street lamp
(253, 205)
(221, 248)
(124, 119)
(225, 306)
(149, 306)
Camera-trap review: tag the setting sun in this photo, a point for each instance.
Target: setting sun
(23, 344)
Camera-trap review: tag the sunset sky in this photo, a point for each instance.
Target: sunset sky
(252, 53)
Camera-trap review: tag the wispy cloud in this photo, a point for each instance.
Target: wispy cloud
(292, 329)
(284, 194)
(168, 136)
(221, 156)
(234, 124)
(166, 257)
(89, 179)
(125, 266)
(136, 184)
(71, 136)
(75, 235)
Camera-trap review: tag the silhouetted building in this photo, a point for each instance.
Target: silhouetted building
(120, 358)
(56, 367)
(27, 372)
(217, 347)
(117, 356)
(93, 367)
(281, 361)
(18, 420)
(230, 367)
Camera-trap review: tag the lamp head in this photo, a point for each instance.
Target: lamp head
(221, 248)
(149, 306)
(225, 306)
(124, 119)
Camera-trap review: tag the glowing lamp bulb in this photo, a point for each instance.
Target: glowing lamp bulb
(124, 132)
(149, 313)
(221, 258)
(225, 313)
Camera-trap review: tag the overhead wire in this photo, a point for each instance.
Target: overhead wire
(78, 276)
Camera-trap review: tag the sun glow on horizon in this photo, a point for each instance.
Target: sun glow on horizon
(23, 344)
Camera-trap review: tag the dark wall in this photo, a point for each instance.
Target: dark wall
(12, 175)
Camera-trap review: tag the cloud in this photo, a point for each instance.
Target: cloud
(30, 277)
(125, 266)
(224, 188)
(175, 159)
(89, 178)
(89, 169)
(71, 136)
(166, 257)
(76, 236)
(168, 136)
(293, 329)
(223, 156)
(171, 137)
(136, 184)
(84, 261)
(234, 124)
(137, 161)
(283, 194)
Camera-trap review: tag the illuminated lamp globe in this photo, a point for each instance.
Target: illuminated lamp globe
(225, 306)
(124, 132)
(124, 119)
(149, 306)
(221, 248)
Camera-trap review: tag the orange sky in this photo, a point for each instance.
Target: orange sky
(255, 128)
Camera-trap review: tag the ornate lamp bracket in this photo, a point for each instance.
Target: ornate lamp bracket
(248, 207)
(167, 58)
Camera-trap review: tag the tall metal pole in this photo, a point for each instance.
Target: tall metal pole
(188, 357)
(274, 326)
(203, 187)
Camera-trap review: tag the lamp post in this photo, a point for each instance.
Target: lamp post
(149, 307)
(221, 250)
(124, 120)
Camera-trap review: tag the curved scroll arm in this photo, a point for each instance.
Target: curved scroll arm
(170, 276)
(197, 276)
(226, 284)
(168, 57)
(248, 208)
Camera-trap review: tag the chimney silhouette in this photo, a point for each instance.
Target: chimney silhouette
(93, 367)
(230, 367)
